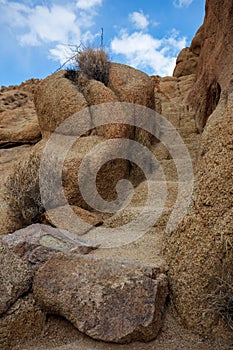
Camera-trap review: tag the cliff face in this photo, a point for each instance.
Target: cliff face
(214, 69)
(200, 252)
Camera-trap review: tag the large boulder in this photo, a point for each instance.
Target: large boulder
(110, 300)
(56, 99)
(200, 252)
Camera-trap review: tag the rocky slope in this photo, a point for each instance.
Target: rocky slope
(46, 270)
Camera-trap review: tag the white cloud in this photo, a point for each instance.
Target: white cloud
(62, 53)
(146, 52)
(57, 24)
(182, 3)
(139, 20)
(50, 24)
(88, 4)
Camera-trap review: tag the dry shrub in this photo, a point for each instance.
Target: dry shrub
(94, 63)
(220, 300)
(22, 191)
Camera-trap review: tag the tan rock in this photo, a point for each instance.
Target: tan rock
(97, 295)
(10, 156)
(56, 99)
(186, 63)
(131, 85)
(205, 234)
(197, 42)
(15, 277)
(18, 120)
(215, 66)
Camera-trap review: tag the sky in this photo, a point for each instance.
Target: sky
(38, 36)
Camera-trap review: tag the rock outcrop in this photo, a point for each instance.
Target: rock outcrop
(215, 66)
(109, 300)
(199, 253)
(187, 60)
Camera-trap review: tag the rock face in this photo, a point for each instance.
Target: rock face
(199, 253)
(15, 277)
(215, 66)
(109, 300)
(18, 119)
(186, 63)
(187, 60)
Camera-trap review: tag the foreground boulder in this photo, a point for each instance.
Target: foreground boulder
(109, 300)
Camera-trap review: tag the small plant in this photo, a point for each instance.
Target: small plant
(221, 300)
(22, 191)
(94, 63)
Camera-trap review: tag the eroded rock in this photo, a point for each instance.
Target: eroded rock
(109, 300)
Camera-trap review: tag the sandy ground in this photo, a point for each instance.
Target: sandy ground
(61, 335)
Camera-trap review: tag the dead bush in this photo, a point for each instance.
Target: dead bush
(22, 191)
(94, 63)
(220, 300)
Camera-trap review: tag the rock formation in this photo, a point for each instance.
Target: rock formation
(199, 253)
(109, 300)
(195, 257)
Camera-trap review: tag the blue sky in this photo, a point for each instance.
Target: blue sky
(37, 36)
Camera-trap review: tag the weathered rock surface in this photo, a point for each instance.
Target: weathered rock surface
(56, 99)
(187, 60)
(36, 243)
(10, 156)
(22, 320)
(215, 66)
(205, 234)
(18, 119)
(110, 300)
(15, 277)
(186, 63)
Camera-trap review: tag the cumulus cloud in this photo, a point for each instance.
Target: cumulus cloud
(55, 25)
(143, 51)
(50, 25)
(182, 3)
(139, 20)
(63, 53)
(88, 4)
